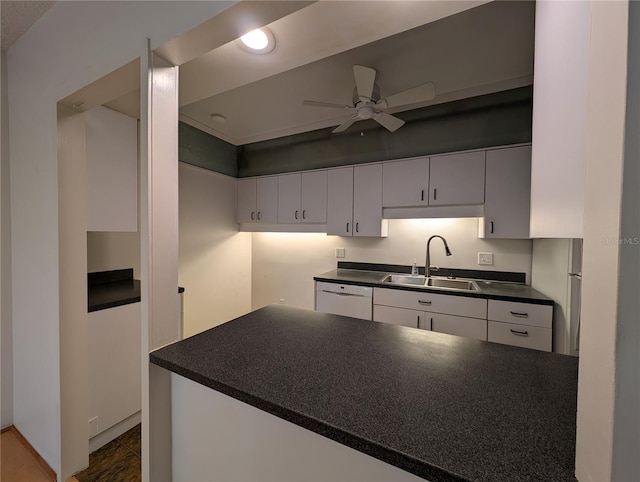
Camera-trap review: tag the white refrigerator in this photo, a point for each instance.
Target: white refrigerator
(556, 272)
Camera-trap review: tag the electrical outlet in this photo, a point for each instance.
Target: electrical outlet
(340, 253)
(93, 427)
(485, 258)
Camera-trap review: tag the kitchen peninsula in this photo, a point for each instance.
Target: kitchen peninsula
(431, 405)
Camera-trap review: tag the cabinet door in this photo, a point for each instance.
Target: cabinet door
(267, 200)
(458, 325)
(246, 201)
(367, 200)
(399, 316)
(405, 183)
(457, 179)
(508, 193)
(112, 171)
(340, 201)
(314, 197)
(289, 197)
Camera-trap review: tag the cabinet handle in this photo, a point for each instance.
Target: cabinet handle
(434, 194)
(422, 195)
(519, 333)
(491, 227)
(258, 215)
(347, 227)
(253, 215)
(422, 302)
(304, 214)
(357, 227)
(521, 315)
(418, 322)
(296, 214)
(431, 323)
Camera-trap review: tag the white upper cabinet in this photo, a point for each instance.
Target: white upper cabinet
(314, 197)
(354, 201)
(289, 198)
(507, 196)
(367, 201)
(112, 170)
(258, 200)
(340, 201)
(559, 125)
(246, 200)
(457, 179)
(405, 183)
(267, 200)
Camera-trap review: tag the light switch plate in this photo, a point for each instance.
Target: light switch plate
(340, 253)
(485, 258)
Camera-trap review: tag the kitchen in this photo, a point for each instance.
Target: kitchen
(416, 253)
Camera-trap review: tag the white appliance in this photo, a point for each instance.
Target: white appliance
(556, 272)
(347, 300)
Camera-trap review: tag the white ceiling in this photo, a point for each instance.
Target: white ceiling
(465, 48)
(17, 18)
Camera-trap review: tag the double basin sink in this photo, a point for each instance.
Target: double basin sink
(423, 281)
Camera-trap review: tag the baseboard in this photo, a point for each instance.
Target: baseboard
(42, 463)
(103, 438)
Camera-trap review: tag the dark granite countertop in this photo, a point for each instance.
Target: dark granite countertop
(489, 289)
(108, 289)
(445, 408)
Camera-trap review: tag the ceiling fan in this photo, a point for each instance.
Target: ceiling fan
(367, 102)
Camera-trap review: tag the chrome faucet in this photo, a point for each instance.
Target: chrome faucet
(427, 266)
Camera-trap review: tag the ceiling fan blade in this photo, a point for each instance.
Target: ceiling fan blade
(315, 103)
(345, 125)
(388, 121)
(417, 94)
(365, 78)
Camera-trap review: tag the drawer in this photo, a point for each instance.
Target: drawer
(433, 302)
(401, 316)
(520, 335)
(458, 325)
(521, 313)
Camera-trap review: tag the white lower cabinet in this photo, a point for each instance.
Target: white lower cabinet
(455, 315)
(114, 340)
(526, 325)
(401, 316)
(459, 325)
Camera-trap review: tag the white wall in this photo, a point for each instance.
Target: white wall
(113, 250)
(284, 264)
(6, 334)
(73, 44)
(215, 259)
(600, 269)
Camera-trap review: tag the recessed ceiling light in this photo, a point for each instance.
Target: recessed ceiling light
(219, 118)
(258, 41)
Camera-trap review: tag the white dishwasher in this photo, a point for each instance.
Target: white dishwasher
(347, 300)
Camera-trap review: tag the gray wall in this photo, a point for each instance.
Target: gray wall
(203, 150)
(483, 121)
(626, 426)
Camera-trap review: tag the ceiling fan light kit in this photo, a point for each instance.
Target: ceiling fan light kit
(367, 102)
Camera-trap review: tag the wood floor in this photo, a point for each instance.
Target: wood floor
(18, 464)
(118, 461)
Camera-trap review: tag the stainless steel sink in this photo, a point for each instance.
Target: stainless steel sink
(405, 279)
(444, 283)
(456, 284)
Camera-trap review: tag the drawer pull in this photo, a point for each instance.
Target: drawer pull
(521, 315)
(422, 302)
(519, 333)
